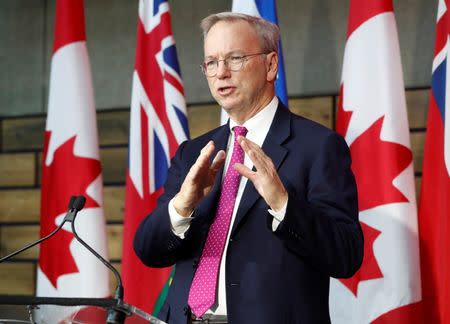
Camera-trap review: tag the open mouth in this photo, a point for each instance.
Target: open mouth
(225, 90)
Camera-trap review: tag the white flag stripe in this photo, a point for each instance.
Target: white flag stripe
(71, 107)
(373, 77)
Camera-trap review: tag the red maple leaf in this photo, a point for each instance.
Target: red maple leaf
(369, 269)
(375, 164)
(66, 176)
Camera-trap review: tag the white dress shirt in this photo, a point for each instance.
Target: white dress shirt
(257, 129)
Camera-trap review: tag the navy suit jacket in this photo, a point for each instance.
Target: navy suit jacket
(271, 277)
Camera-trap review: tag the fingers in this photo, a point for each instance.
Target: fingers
(203, 158)
(245, 171)
(218, 161)
(261, 161)
(205, 153)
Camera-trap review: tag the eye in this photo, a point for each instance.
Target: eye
(236, 59)
(210, 64)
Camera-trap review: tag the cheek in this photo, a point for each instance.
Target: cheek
(211, 84)
(248, 87)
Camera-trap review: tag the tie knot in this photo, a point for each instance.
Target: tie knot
(239, 130)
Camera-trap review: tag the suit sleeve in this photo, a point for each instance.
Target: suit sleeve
(154, 242)
(322, 226)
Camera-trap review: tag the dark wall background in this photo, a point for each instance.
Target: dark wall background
(313, 34)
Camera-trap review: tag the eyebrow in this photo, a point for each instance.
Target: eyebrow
(236, 52)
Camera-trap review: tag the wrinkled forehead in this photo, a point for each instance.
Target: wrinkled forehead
(231, 36)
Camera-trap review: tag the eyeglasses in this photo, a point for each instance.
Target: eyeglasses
(233, 63)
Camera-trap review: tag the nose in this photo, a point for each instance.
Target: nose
(222, 70)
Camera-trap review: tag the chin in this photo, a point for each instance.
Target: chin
(228, 104)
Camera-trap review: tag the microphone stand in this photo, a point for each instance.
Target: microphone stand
(69, 216)
(117, 314)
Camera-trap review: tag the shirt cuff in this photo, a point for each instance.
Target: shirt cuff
(179, 224)
(278, 216)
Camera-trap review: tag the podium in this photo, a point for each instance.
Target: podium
(44, 310)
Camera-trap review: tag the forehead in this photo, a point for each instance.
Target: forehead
(225, 37)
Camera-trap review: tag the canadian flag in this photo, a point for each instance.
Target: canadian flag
(372, 116)
(71, 166)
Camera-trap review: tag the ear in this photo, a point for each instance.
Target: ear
(272, 66)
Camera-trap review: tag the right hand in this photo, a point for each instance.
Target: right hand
(199, 180)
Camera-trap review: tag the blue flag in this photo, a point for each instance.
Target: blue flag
(266, 9)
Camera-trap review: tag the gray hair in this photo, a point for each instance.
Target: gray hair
(268, 33)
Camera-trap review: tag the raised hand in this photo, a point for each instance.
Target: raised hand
(265, 178)
(199, 180)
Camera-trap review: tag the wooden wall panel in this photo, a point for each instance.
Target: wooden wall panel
(114, 164)
(418, 182)
(114, 197)
(19, 205)
(17, 279)
(23, 205)
(39, 168)
(319, 109)
(417, 103)
(115, 241)
(23, 133)
(417, 146)
(17, 169)
(203, 118)
(113, 127)
(13, 238)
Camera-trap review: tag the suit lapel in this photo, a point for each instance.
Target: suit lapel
(278, 133)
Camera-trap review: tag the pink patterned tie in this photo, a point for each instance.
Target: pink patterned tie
(202, 294)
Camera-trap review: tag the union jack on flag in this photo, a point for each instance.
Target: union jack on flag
(158, 124)
(434, 208)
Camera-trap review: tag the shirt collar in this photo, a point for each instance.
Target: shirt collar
(263, 119)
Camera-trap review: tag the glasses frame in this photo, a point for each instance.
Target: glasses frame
(226, 62)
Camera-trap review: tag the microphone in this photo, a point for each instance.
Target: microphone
(69, 216)
(115, 315)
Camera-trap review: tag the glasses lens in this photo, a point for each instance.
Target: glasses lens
(235, 63)
(209, 68)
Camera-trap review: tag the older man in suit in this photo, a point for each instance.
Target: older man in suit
(258, 214)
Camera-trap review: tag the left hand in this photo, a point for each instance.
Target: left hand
(265, 178)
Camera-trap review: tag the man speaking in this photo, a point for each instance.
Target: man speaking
(258, 214)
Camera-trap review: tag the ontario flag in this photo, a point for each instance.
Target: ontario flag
(71, 166)
(372, 117)
(158, 124)
(434, 211)
(266, 9)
